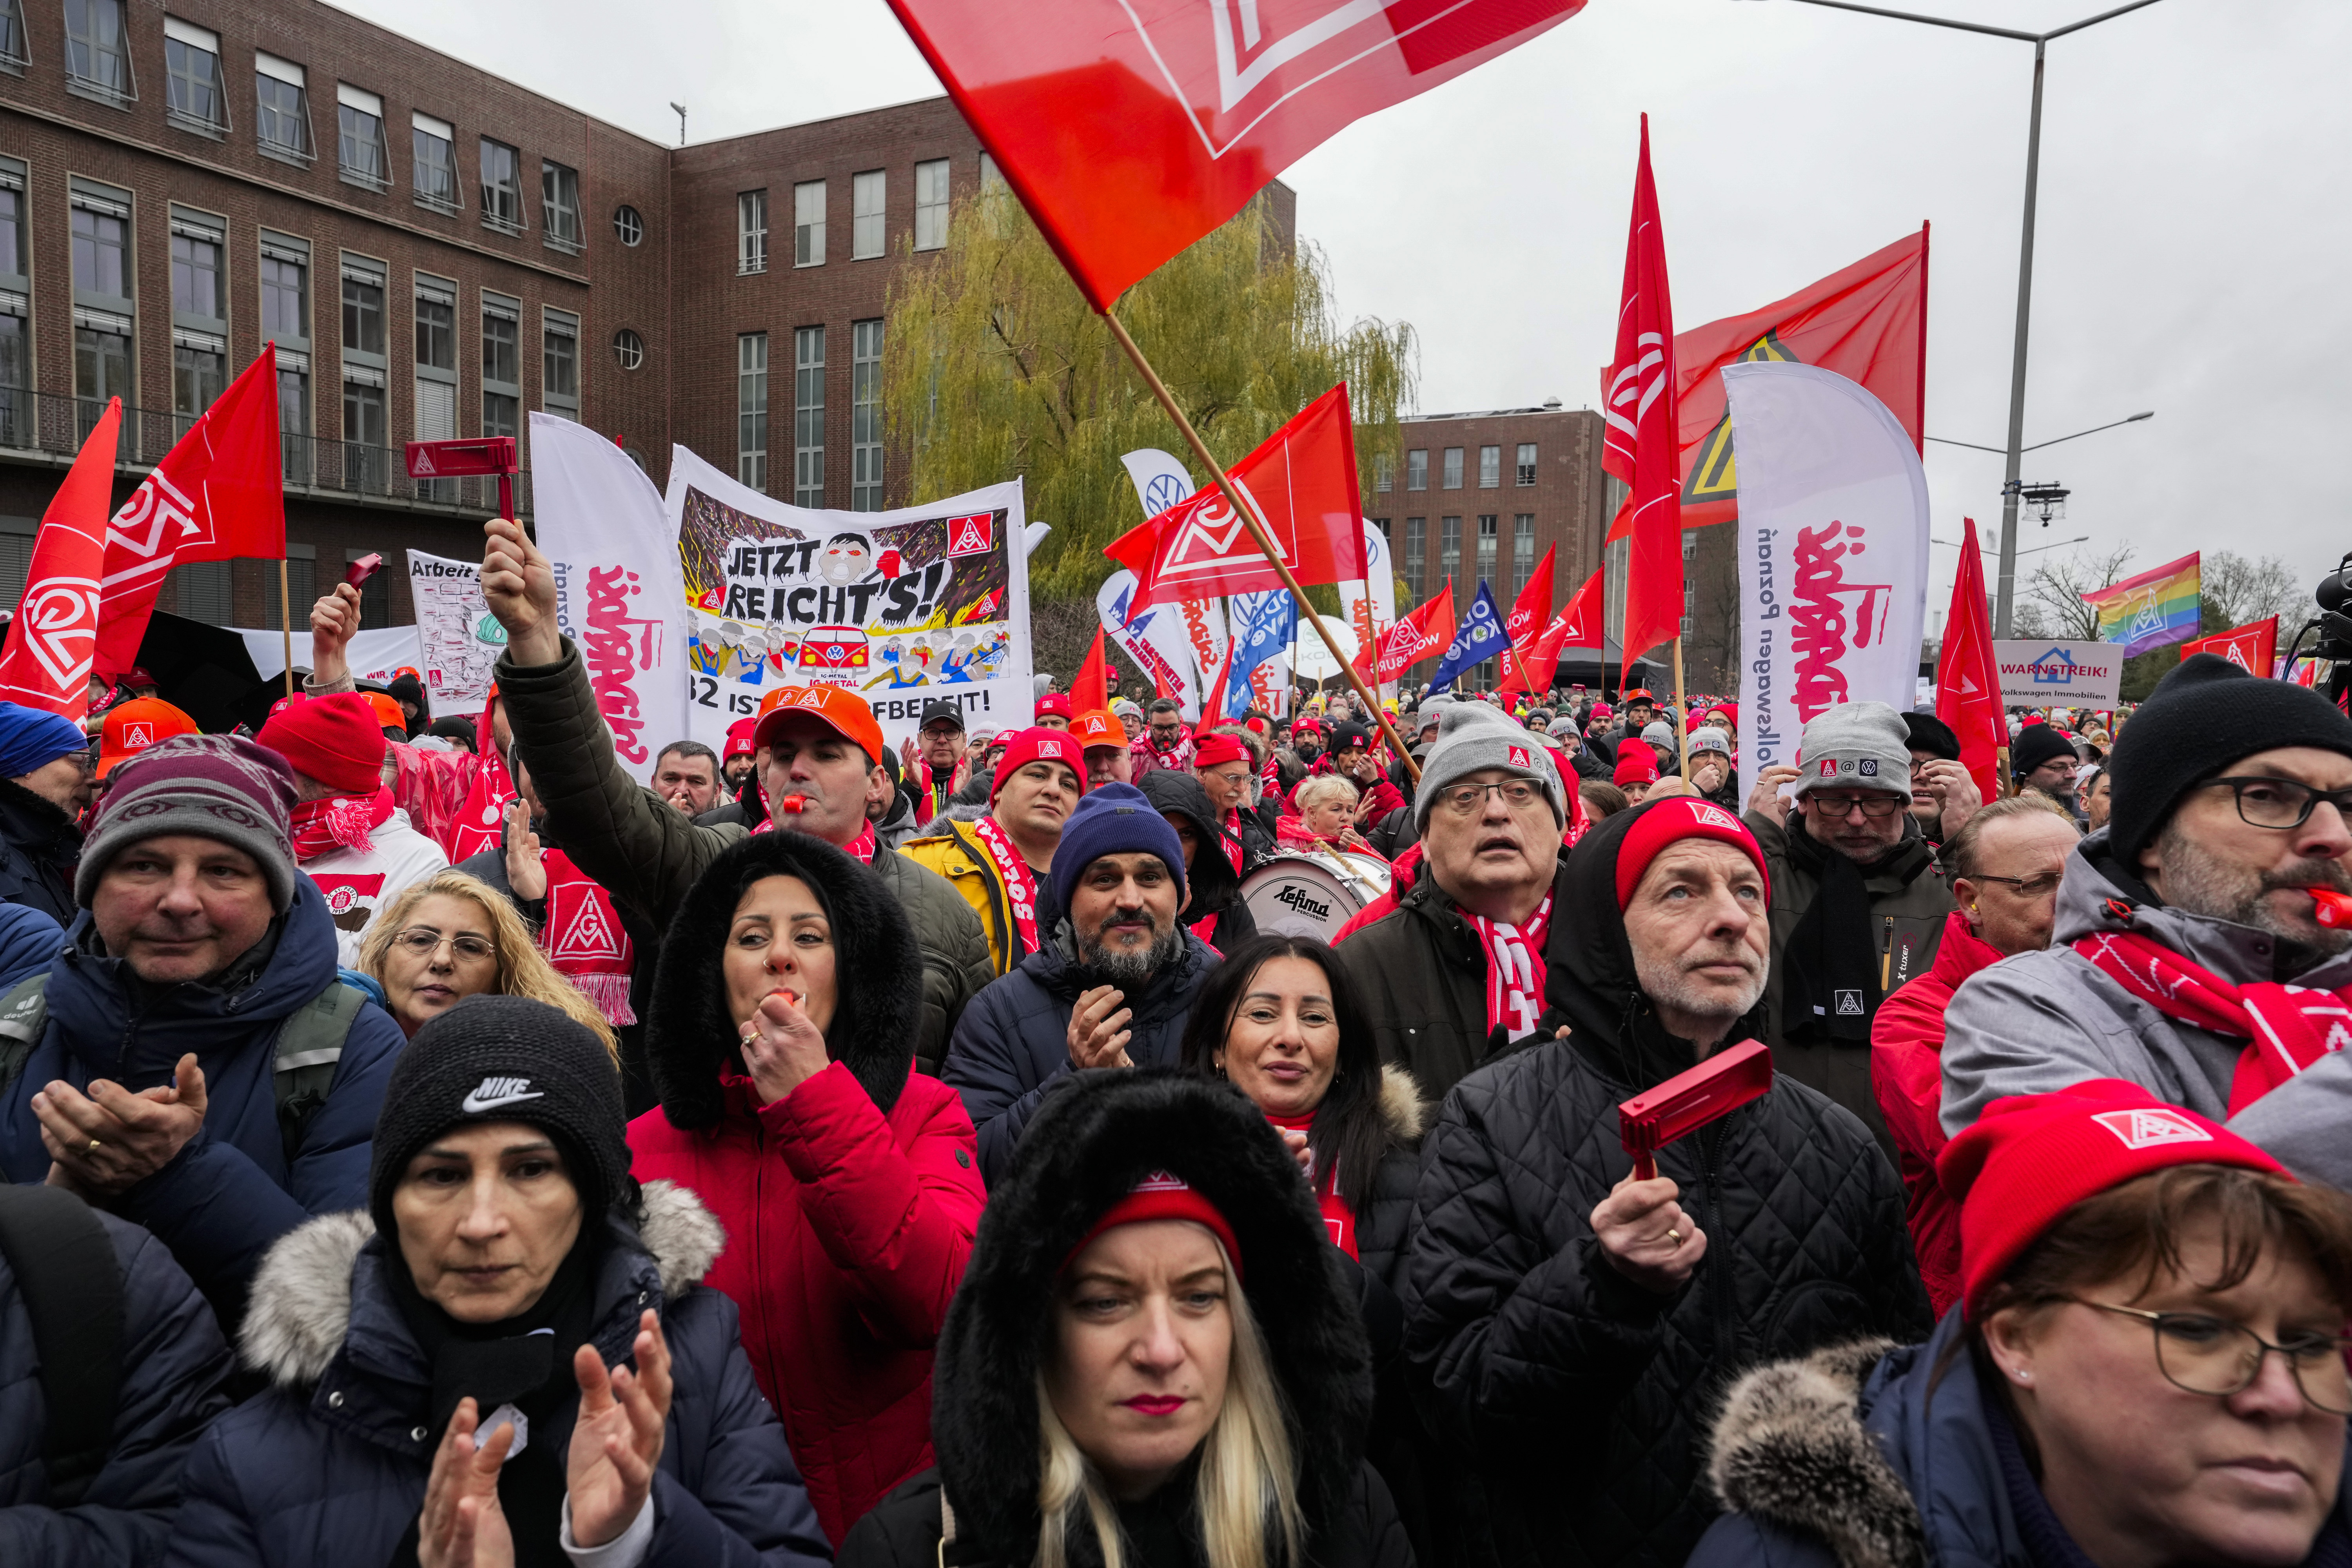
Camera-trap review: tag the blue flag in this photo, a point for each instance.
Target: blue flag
(1478, 638)
(1263, 627)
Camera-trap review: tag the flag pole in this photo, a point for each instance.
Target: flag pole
(286, 622)
(1248, 514)
(1682, 711)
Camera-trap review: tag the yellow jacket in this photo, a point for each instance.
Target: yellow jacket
(949, 847)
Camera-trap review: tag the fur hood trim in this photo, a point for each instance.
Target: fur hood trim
(1791, 1449)
(1094, 1137)
(878, 971)
(301, 1299)
(1403, 1110)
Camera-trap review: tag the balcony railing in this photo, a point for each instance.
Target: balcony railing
(55, 424)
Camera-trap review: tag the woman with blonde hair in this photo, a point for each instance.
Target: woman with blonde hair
(452, 936)
(1153, 1362)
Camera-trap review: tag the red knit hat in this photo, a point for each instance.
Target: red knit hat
(1636, 763)
(1038, 744)
(738, 740)
(1677, 817)
(1057, 703)
(2031, 1157)
(336, 739)
(1161, 1196)
(1213, 750)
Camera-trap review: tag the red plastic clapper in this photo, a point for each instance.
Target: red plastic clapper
(365, 568)
(1689, 1101)
(2332, 908)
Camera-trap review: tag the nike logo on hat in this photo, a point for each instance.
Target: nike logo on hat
(495, 1092)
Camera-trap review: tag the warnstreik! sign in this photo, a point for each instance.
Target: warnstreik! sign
(2041, 673)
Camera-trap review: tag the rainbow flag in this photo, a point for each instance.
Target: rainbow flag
(2158, 606)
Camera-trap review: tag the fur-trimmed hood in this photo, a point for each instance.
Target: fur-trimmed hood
(1791, 1449)
(878, 970)
(1094, 1138)
(300, 1311)
(1403, 1110)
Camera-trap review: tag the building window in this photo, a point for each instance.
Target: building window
(991, 178)
(1416, 470)
(752, 232)
(628, 348)
(359, 156)
(1416, 546)
(435, 407)
(101, 365)
(364, 434)
(285, 299)
(13, 57)
(98, 57)
(1384, 472)
(192, 77)
(559, 195)
(282, 122)
(13, 249)
(1490, 467)
(865, 417)
(301, 589)
(437, 331)
(294, 417)
(1523, 551)
(198, 375)
(629, 226)
(559, 379)
(751, 410)
(501, 413)
(375, 595)
(502, 365)
(435, 173)
(808, 223)
(931, 204)
(808, 416)
(99, 241)
(501, 187)
(1453, 480)
(195, 276)
(1487, 547)
(1527, 463)
(205, 591)
(867, 195)
(1449, 546)
(14, 381)
(363, 311)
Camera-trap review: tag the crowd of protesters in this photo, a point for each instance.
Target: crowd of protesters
(427, 1144)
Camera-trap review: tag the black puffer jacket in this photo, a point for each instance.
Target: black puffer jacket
(1586, 1395)
(39, 848)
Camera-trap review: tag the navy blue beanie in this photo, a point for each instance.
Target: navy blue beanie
(1117, 819)
(32, 738)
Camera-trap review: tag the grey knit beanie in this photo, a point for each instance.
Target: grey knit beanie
(1659, 733)
(1855, 745)
(1710, 740)
(1476, 735)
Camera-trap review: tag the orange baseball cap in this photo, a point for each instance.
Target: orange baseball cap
(843, 709)
(1098, 727)
(134, 726)
(388, 712)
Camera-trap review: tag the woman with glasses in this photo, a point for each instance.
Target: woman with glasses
(2148, 1368)
(452, 936)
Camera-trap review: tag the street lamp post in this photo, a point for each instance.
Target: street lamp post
(2006, 592)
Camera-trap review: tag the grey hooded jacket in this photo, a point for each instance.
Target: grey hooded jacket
(2043, 1021)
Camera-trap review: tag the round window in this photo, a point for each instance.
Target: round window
(628, 348)
(628, 225)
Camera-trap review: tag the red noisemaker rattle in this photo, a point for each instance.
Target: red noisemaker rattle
(2333, 909)
(1689, 1101)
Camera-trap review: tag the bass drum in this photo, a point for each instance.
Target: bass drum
(1313, 895)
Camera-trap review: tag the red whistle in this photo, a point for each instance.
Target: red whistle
(1689, 1101)
(2333, 909)
(795, 803)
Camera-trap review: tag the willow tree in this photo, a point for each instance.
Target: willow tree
(995, 366)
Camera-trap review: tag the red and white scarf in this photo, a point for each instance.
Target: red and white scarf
(584, 939)
(862, 846)
(2287, 1027)
(1020, 882)
(1515, 970)
(1229, 833)
(1338, 1219)
(338, 822)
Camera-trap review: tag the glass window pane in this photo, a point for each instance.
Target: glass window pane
(196, 277)
(752, 232)
(560, 196)
(12, 233)
(808, 416)
(13, 431)
(1523, 551)
(436, 168)
(1416, 470)
(1453, 480)
(1416, 543)
(1490, 466)
(1449, 546)
(501, 185)
(94, 50)
(99, 239)
(437, 334)
(751, 410)
(867, 200)
(808, 223)
(501, 350)
(280, 120)
(865, 417)
(283, 286)
(362, 316)
(192, 82)
(560, 373)
(931, 204)
(1527, 463)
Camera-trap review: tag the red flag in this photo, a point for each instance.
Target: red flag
(1302, 480)
(1428, 630)
(2253, 648)
(1131, 131)
(45, 661)
(1641, 447)
(1968, 684)
(218, 493)
(1090, 692)
(1577, 624)
(1868, 322)
(1531, 617)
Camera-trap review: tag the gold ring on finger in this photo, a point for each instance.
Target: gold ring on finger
(1674, 1236)
(94, 1147)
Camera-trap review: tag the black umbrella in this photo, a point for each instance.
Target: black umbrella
(207, 672)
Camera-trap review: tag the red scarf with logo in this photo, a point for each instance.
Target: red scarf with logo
(862, 846)
(1515, 970)
(1020, 882)
(1338, 1218)
(584, 939)
(2287, 1027)
(338, 822)
(1229, 833)
(479, 823)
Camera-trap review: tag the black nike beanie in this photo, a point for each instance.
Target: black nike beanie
(506, 1058)
(2202, 717)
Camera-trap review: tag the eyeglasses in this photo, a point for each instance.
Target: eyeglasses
(2282, 803)
(1875, 802)
(2039, 886)
(2202, 1354)
(1464, 799)
(423, 942)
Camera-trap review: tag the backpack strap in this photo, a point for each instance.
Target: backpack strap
(310, 1049)
(24, 1014)
(71, 1286)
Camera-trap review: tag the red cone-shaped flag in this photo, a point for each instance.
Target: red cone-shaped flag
(1090, 692)
(1642, 447)
(1530, 614)
(1968, 685)
(1577, 625)
(1428, 630)
(46, 661)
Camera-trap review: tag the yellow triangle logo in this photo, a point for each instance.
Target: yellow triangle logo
(1712, 476)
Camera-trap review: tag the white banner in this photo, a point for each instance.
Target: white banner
(1155, 640)
(1832, 542)
(459, 639)
(617, 584)
(373, 656)
(2040, 673)
(1369, 605)
(903, 606)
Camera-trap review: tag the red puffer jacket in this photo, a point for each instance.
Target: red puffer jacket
(1906, 1071)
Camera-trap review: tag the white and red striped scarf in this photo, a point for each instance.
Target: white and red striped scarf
(862, 846)
(1515, 970)
(1020, 882)
(584, 939)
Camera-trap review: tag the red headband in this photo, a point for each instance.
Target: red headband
(1678, 818)
(1161, 1196)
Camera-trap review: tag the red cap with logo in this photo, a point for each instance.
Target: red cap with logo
(1679, 816)
(838, 706)
(738, 740)
(1057, 704)
(1214, 750)
(1039, 744)
(134, 726)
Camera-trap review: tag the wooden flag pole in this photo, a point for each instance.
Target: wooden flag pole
(1682, 711)
(286, 622)
(1258, 534)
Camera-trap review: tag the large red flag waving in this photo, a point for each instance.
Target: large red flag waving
(1577, 624)
(1302, 479)
(1091, 688)
(1131, 131)
(1524, 625)
(45, 661)
(1968, 685)
(1428, 630)
(1641, 448)
(218, 493)
(2253, 648)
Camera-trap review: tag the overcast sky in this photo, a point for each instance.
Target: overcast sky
(2191, 255)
